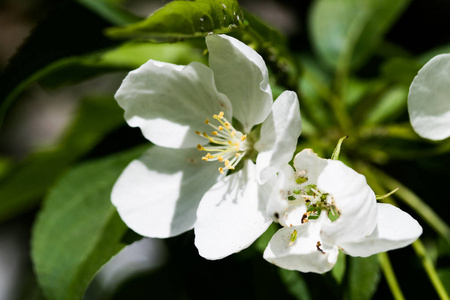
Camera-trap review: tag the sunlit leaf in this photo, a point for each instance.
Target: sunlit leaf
(78, 230)
(185, 19)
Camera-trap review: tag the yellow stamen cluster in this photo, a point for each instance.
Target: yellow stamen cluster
(227, 145)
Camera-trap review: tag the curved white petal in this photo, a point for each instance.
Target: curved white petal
(429, 99)
(354, 199)
(157, 195)
(278, 204)
(231, 215)
(309, 165)
(279, 135)
(241, 74)
(170, 102)
(395, 229)
(303, 255)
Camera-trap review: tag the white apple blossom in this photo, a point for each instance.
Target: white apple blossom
(205, 121)
(429, 99)
(325, 206)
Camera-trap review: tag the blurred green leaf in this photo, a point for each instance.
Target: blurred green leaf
(126, 57)
(184, 19)
(363, 277)
(110, 10)
(400, 70)
(390, 105)
(444, 274)
(295, 284)
(78, 230)
(22, 188)
(347, 31)
(69, 30)
(338, 270)
(273, 47)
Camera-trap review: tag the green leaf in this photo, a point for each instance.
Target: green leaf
(338, 270)
(23, 187)
(295, 284)
(273, 47)
(111, 11)
(389, 106)
(348, 31)
(184, 19)
(126, 57)
(78, 230)
(363, 277)
(59, 36)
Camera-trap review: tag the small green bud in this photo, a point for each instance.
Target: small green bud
(291, 198)
(297, 192)
(293, 237)
(300, 180)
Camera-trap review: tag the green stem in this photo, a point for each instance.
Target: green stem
(390, 276)
(431, 271)
(412, 200)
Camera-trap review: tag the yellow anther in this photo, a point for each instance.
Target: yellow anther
(221, 170)
(227, 125)
(198, 132)
(227, 163)
(238, 154)
(220, 116)
(243, 137)
(199, 147)
(220, 128)
(233, 133)
(204, 158)
(215, 116)
(214, 133)
(220, 158)
(207, 121)
(230, 142)
(237, 146)
(205, 135)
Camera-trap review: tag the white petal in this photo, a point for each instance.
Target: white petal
(157, 195)
(429, 99)
(395, 229)
(231, 215)
(278, 203)
(170, 102)
(241, 74)
(310, 165)
(353, 198)
(279, 135)
(303, 255)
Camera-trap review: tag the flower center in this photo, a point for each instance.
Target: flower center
(316, 201)
(227, 145)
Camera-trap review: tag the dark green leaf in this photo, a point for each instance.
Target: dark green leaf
(351, 29)
(339, 268)
(272, 45)
(363, 277)
(78, 230)
(111, 11)
(295, 284)
(59, 36)
(127, 56)
(185, 19)
(22, 188)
